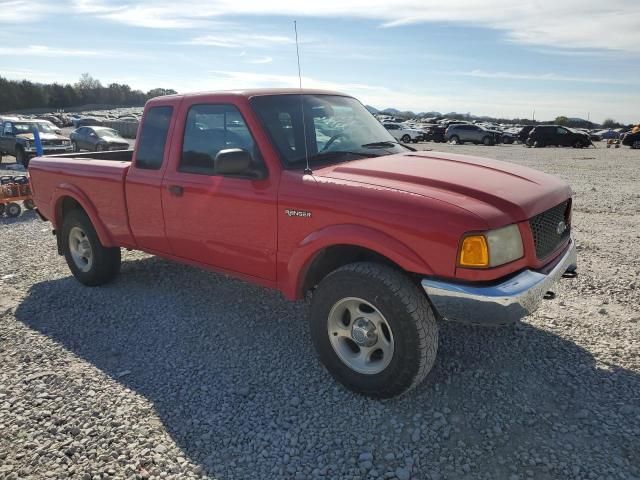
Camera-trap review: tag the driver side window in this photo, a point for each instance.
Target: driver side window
(209, 129)
(561, 131)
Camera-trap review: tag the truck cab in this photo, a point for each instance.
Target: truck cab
(304, 191)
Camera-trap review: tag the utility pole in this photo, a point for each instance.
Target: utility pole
(534, 116)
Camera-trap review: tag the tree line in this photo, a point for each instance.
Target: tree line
(23, 94)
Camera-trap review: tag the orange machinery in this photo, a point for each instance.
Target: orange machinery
(14, 189)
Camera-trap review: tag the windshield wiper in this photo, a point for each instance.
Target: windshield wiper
(329, 155)
(387, 143)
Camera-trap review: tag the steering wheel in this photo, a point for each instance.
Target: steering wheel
(331, 140)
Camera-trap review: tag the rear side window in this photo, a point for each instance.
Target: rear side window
(209, 129)
(153, 137)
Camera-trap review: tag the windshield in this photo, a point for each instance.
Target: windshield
(337, 128)
(28, 128)
(106, 132)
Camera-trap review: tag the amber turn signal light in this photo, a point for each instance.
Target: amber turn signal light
(474, 252)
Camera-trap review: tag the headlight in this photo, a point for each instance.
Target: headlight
(492, 248)
(27, 144)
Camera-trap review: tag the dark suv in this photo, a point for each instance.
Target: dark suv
(544, 135)
(472, 133)
(524, 132)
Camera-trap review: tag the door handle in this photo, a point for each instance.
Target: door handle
(176, 190)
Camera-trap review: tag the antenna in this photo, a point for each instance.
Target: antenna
(307, 169)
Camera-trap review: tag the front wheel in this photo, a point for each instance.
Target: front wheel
(89, 261)
(373, 329)
(578, 144)
(487, 141)
(406, 138)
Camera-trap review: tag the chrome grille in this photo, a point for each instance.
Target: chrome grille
(545, 227)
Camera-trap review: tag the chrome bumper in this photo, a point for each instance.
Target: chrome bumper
(501, 303)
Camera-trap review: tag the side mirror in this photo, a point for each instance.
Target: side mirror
(236, 162)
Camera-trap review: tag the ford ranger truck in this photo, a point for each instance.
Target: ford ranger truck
(305, 192)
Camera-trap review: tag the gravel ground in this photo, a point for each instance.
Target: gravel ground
(172, 372)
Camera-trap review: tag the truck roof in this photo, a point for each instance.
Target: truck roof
(252, 92)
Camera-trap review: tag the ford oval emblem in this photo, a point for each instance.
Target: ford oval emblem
(561, 228)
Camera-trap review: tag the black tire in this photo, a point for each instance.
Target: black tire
(487, 141)
(406, 138)
(578, 144)
(405, 308)
(101, 147)
(74, 145)
(538, 144)
(105, 261)
(13, 210)
(29, 204)
(636, 145)
(1, 209)
(455, 140)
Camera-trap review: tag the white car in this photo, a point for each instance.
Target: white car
(404, 134)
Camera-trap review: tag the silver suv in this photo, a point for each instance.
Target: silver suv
(460, 133)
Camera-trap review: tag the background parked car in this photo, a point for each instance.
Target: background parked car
(85, 122)
(434, 132)
(17, 139)
(524, 133)
(509, 137)
(632, 140)
(461, 133)
(404, 134)
(544, 135)
(97, 139)
(608, 134)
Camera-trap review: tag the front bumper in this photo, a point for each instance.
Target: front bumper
(50, 150)
(502, 303)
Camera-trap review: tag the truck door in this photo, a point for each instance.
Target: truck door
(144, 179)
(226, 222)
(7, 139)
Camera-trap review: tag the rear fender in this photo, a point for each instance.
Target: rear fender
(351, 235)
(68, 190)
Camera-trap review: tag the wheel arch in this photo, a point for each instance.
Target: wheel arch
(330, 248)
(68, 198)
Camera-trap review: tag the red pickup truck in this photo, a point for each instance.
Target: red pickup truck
(305, 192)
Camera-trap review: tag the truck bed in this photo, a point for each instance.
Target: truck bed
(113, 155)
(99, 174)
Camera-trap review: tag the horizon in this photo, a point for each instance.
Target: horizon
(499, 59)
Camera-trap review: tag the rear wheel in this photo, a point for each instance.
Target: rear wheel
(487, 140)
(90, 262)
(75, 147)
(373, 329)
(538, 144)
(455, 140)
(100, 147)
(13, 210)
(578, 144)
(406, 138)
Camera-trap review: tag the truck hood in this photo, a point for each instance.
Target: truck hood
(43, 136)
(500, 193)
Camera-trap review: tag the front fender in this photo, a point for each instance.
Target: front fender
(377, 241)
(69, 190)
